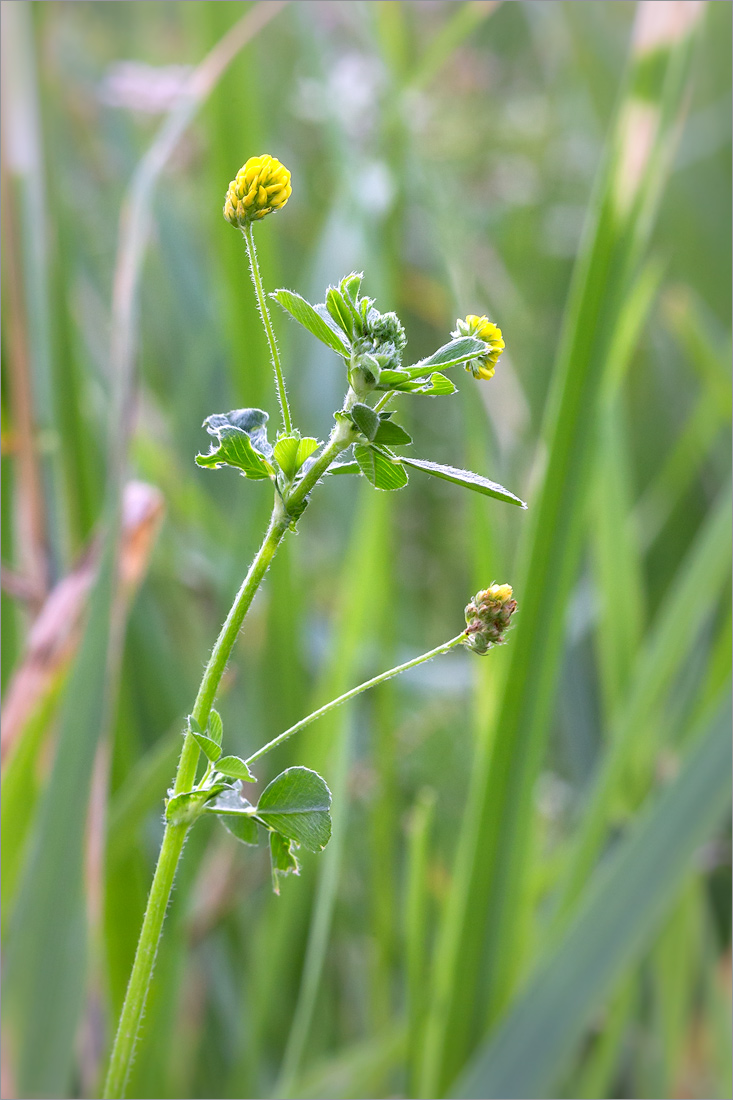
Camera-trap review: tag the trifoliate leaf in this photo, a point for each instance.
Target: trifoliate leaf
(466, 478)
(366, 419)
(251, 421)
(242, 443)
(235, 768)
(282, 859)
(309, 317)
(377, 467)
(297, 805)
(392, 434)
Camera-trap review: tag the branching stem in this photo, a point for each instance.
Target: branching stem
(354, 692)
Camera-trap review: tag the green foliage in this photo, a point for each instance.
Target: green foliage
(235, 768)
(211, 746)
(282, 859)
(297, 804)
(380, 468)
(242, 443)
(418, 942)
(465, 478)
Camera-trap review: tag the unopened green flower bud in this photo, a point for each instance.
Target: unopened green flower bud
(488, 617)
(386, 329)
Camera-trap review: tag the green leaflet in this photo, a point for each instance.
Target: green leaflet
(242, 443)
(466, 478)
(216, 728)
(391, 434)
(450, 355)
(297, 804)
(379, 468)
(365, 419)
(207, 745)
(242, 826)
(234, 768)
(304, 313)
(291, 452)
(620, 910)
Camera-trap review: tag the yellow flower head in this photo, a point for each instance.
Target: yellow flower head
(261, 186)
(481, 328)
(488, 617)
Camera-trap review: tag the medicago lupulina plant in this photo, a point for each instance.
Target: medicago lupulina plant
(293, 810)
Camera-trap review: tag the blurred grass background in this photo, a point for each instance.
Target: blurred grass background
(528, 890)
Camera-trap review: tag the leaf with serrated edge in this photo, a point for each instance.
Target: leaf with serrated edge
(235, 768)
(216, 727)
(208, 745)
(379, 468)
(466, 478)
(365, 418)
(296, 803)
(305, 314)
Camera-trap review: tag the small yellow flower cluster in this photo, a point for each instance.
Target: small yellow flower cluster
(261, 186)
(488, 617)
(482, 329)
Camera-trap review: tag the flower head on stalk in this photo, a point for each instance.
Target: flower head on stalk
(483, 329)
(488, 617)
(261, 186)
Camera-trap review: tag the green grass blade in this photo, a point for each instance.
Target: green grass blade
(619, 913)
(478, 958)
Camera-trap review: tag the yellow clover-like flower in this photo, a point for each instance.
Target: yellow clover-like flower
(261, 186)
(483, 366)
(488, 617)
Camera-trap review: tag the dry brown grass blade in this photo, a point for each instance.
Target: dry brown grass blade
(56, 632)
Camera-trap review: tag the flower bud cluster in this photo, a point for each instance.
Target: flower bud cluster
(377, 339)
(260, 186)
(482, 329)
(488, 617)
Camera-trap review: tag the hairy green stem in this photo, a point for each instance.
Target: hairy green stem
(175, 834)
(254, 268)
(353, 693)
